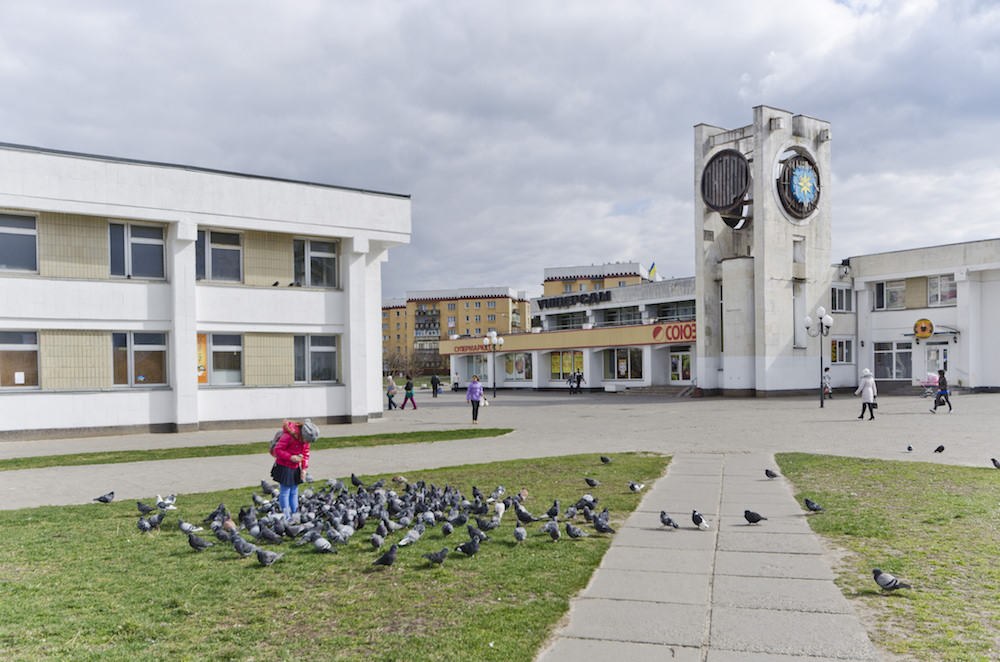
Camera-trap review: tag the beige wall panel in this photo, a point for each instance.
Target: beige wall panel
(268, 359)
(916, 293)
(267, 257)
(72, 246)
(74, 359)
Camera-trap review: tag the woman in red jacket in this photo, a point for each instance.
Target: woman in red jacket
(291, 455)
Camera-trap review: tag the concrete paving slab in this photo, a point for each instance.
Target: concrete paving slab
(776, 593)
(635, 621)
(785, 543)
(774, 523)
(742, 656)
(790, 633)
(567, 649)
(689, 538)
(679, 587)
(656, 558)
(756, 564)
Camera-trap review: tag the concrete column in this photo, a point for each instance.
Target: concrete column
(358, 372)
(183, 354)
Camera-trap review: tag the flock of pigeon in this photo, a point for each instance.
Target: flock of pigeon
(333, 514)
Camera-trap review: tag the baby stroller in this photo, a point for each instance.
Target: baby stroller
(929, 385)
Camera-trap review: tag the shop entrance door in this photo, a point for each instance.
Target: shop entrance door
(937, 358)
(680, 367)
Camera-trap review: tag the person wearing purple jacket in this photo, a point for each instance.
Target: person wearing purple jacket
(474, 394)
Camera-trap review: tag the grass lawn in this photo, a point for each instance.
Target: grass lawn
(82, 583)
(256, 447)
(933, 526)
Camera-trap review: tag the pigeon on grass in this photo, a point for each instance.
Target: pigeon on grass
(187, 527)
(813, 506)
(388, 558)
(605, 459)
(593, 482)
(437, 558)
(198, 544)
(636, 487)
(887, 582)
(469, 548)
(575, 532)
(266, 557)
(520, 533)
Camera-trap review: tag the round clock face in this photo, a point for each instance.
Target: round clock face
(798, 184)
(724, 185)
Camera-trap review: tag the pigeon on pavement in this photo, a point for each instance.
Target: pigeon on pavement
(437, 557)
(770, 474)
(699, 521)
(752, 517)
(266, 557)
(667, 520)
(887, 582)
(939, 449)
(388, 558)
(105, 498)
(996, 462)
(198, 544)
(813, 506)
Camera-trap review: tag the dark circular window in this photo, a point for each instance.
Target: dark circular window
(724, 185)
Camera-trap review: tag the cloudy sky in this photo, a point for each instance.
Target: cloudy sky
(530, 134)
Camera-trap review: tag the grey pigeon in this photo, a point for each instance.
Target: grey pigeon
(187, 527)
(476, 533)
(321, 544)
(593, 482)
(523, 515)
(437, 557)
(376, 540)
(939, 449)
(996, 462)
(770, 474)
(667, 520)
(388, 558)
(636, 487)
(813, 506)
(602, 526)
(520, 533)
(605, 459)
(167, 503)
(144, 509)
(105, 498)
(242, 547)
(553, 511)
(909, 448)
(268, 535)
(752, 517)
(575, 532)
(554, 531)
(887, 582)
(413, 535)
(266, 557)
(144, 525)
(157, 519)
(469, 548)
(197, 544)
(446, 529)
(699, 521)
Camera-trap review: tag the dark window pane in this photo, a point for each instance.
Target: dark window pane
(18, 338)
(231, 339)
(225, 264)
(117, 235)
(323, 366)
(199, 257)
(323, 341)
(300, 358)
(299, 252)
(146, 232)
(323, 247)
(19, 222)
(225, 238)
(19, 364)
(147, 261)
(226, 368)
(17, 251)
(150, 367)
(321, 272)
(119, 358)
(150, 339)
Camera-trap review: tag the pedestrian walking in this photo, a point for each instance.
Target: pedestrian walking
(435, 385)
(390, 392)
(827, 381)
(868, 391)
(942, 393)
(408, 393)
(474, 395)
(579, 379)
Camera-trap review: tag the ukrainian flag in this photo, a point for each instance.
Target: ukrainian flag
(652, 271)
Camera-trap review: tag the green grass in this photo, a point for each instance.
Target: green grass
(934, 526)
(117, 457)
(81, 582)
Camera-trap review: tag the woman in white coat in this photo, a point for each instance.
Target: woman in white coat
(867, 391)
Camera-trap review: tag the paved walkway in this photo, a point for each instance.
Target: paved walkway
(737, 592)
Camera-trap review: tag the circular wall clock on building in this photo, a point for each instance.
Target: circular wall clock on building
(798, 183)
(725, 182)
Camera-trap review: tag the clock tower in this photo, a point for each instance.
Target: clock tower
(762, 251)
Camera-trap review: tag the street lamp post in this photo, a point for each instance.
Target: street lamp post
(492, 341)
(822, 329)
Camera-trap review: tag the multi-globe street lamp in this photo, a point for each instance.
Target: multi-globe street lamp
(492, 341)
(822, 329)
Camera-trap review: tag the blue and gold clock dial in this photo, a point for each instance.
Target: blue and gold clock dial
(799, 185)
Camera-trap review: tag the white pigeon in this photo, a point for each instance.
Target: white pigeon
(699, 521)
(635, 487)
(166, 504)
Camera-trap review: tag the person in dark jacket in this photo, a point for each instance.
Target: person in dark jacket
(942, 393)
(408, 393)
(435, 385)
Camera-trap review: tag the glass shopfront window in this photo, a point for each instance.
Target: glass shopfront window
(517, 366)
(623, 363)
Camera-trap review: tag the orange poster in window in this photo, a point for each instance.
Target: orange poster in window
(202, 358)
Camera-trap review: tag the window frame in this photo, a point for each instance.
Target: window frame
(214, 347)
(128, 244)
(895, 350)
(205, 261)
(934, 300)
(633, 357)
(883, 294)
(841, 351)
(11, 230)
(303, 358)
(841, 299)
(132, 339)
(7, 346)
(304, 252)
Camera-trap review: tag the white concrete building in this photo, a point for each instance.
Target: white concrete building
(149, 296)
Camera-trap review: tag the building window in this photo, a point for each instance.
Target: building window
(316, 359)
(942, 291)
(491, 304)
(479, 332)
(622, 316)
(567, 288)
(799, 332)
(841, 300)
(893, 360)
(623, 363)
(564, 364)
(799, 250)
(479, 318)
(571, 320)
(841, 351)
(18, 358)
(139, 359)
(451, 320)
(491, 318)
(622, 283)
(583, 287)
(596, 285)
(451, 306)
(316, 262)
(517, 366)
(890, 295)
(218, 256)
(136, 251)
(479, 304)
(225, 351)
(18, 243)
(676, 311)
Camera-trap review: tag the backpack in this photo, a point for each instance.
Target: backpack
(274, 442)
